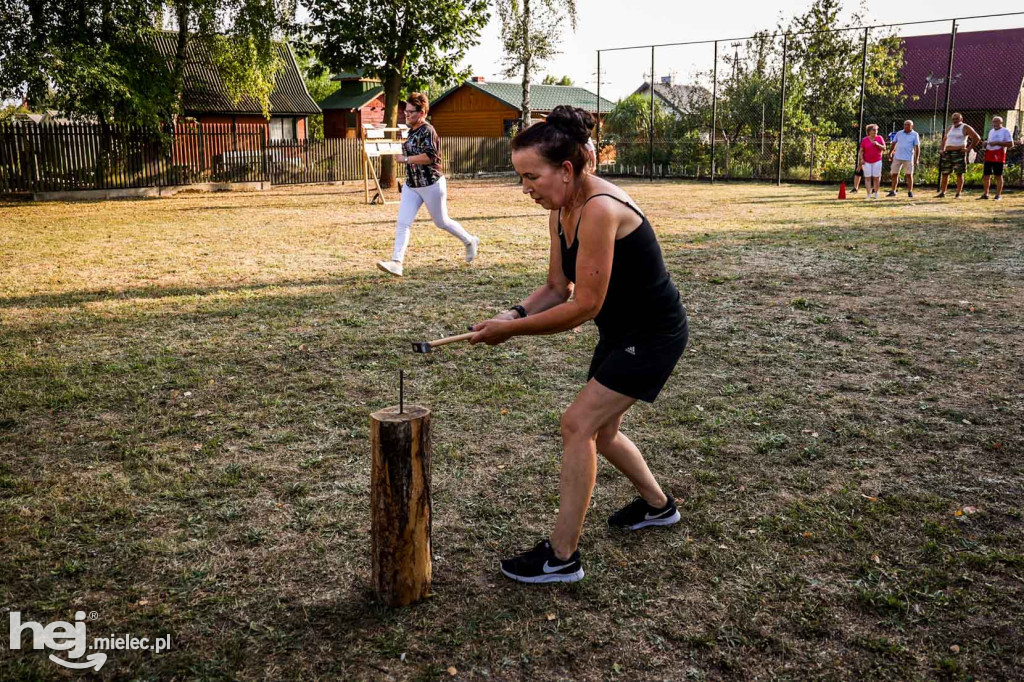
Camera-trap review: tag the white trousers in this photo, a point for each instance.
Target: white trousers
(436, 198)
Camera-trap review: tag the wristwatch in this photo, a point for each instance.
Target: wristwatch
(520, 310)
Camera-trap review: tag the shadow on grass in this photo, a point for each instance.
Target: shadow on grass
(80, 297)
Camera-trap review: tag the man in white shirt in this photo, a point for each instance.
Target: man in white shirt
(904, 154)
(999, 140)
(957, 139)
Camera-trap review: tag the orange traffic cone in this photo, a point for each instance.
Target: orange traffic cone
(842, 190)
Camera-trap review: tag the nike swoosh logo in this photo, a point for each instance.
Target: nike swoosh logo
(648, 517)
(548, 568)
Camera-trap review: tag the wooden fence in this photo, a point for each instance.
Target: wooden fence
(77, 156)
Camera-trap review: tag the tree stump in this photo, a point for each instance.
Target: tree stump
(400, 502)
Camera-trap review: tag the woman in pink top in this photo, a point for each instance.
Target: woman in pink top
(869, 159)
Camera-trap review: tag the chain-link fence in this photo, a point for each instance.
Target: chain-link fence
(793, 105)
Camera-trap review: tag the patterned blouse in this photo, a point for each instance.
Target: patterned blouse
(423, 140)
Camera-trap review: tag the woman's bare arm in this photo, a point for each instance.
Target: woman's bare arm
(596, 237)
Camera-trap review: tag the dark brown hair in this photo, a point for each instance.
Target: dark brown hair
(563, 136)
(418, 100)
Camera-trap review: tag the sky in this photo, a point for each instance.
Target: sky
(614, 23)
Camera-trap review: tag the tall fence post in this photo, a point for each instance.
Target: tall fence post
(949, 74)
(782, 104)
(597, 148)
(714, 111)
(652, 114)
(202, 149)
(863, 80)
(264, 162)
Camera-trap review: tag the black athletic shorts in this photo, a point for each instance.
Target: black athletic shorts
(638, 368)
(994, 168)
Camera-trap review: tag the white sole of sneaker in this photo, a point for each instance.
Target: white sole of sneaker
(380, 266)
(550, 578)
(667, 521)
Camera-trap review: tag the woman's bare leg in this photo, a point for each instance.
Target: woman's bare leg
(625, 456)
(594, 407)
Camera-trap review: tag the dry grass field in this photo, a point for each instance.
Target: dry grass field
(185, 390)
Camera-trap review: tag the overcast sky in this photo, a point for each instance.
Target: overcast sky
(614, 23)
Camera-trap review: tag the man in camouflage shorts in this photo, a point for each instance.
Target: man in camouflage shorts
(954, 153)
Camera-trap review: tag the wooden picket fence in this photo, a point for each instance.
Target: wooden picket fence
(51, 157)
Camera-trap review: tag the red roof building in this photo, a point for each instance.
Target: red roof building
(988, 78)
(358, 101)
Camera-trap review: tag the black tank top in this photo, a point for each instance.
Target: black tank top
(641, 301)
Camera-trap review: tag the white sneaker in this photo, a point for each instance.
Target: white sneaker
(392, 266)
(471, 248)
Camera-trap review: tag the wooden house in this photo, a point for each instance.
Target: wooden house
(481, 109)
(358, 100)
(205, 98)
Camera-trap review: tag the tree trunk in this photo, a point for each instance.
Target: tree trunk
(182, 12)
(527, 64)
(400, 504)
(37, 88)
(107, 21)
(392, 98)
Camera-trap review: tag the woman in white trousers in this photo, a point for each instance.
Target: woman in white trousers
(424, 185)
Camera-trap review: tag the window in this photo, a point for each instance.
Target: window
(350, 119)
(282, 128)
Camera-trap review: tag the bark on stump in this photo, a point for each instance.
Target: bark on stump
(400, 501)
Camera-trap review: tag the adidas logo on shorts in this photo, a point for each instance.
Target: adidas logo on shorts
(631, 350)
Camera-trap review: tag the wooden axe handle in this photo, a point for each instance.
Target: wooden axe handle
(451, 339)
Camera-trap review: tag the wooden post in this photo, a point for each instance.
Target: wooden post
(400, 503)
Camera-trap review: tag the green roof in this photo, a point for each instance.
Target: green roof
(353, 75)
(343, 100)
(542, 97)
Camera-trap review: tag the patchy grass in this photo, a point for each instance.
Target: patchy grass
(184, 422)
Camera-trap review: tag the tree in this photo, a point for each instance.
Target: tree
(823, 76)
(239, 34)
(827, 63)
(9, 111)
(402, 43)
(90, 58)
(317, 78)
(98, 58)
(628, 127)
(630, 119)
(552, 80)
(530, 35)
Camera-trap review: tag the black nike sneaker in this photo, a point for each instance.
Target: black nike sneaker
(638, 514)
(540, 565)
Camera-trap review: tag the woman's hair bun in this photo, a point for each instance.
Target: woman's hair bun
(564, 136)
(576, 123)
